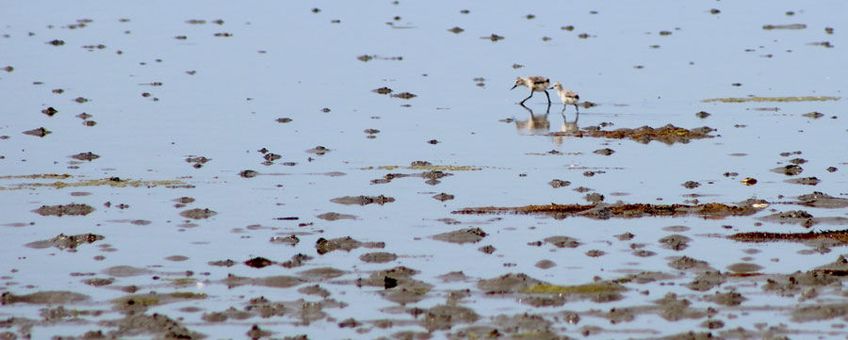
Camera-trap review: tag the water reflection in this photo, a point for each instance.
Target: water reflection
(567, 129)
(536, 124)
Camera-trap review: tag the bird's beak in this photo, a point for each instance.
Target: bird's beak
(551, 88)
(514, 86)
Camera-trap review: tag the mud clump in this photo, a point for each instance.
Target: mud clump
(744, 268)
(727, 299)
(66, 242)
(674, 309)
(668, 134)
(443, 197)
(691, 184)
(258, 262)
(558, 183)
(404, 95)
(86, 156)
(623, 210)
(347, 244)
(319, 150)
(291, 240)
(363, 200)
(706, 281)
(73, 209)
(382, 90)
(563, 242)
(248, 173)
(198, 213)
(39, 132)
(468, 235)
(378, 257)
(789, 170)
(444, 317)
(334, 216)
(686, 263)
(604, 151)
(675, 242)
(820, 312)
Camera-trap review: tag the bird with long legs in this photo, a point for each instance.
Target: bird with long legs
(567, 96)
(535, 84)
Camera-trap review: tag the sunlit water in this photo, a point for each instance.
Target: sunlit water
(283, 60)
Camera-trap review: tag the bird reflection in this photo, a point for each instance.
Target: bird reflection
(567, 129)
(536, 124)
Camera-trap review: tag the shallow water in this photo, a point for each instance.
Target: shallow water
(220, 98)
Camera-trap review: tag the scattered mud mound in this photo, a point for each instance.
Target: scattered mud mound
(668, 134)
(625, 210)
(840, 237)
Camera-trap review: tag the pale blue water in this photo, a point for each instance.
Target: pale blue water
(284, 61)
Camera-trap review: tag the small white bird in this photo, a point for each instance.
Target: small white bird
(567, 96)
(536, 84)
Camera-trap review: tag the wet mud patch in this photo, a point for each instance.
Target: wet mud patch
(198, 213)
(334, 216)
(461, 236)
(39, 132)
(563, 242)
(668, 134)
(321, 274)
(86, 156)
(625, 210)
(278, 281)
(126, 271)
(363, 200)
(378, 257)
(72, 209)
(347, 243)
(540, 293)
(155, 324)
(688, 263)
(443, 317)
(43, 298)
(134, 303)
(819, 199)
(66, 242)
(803, 218)
(784, 27)
(789, 170)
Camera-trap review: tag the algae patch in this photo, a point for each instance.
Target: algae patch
(757, 99)
(115, 182)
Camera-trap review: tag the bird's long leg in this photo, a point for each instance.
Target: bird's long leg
(528, 97)
(549, 97)
(576, 107)
(563, 110)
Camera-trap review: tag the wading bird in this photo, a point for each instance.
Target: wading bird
(536, 84)
(567, 96)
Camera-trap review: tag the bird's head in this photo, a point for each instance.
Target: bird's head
(518, 82)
